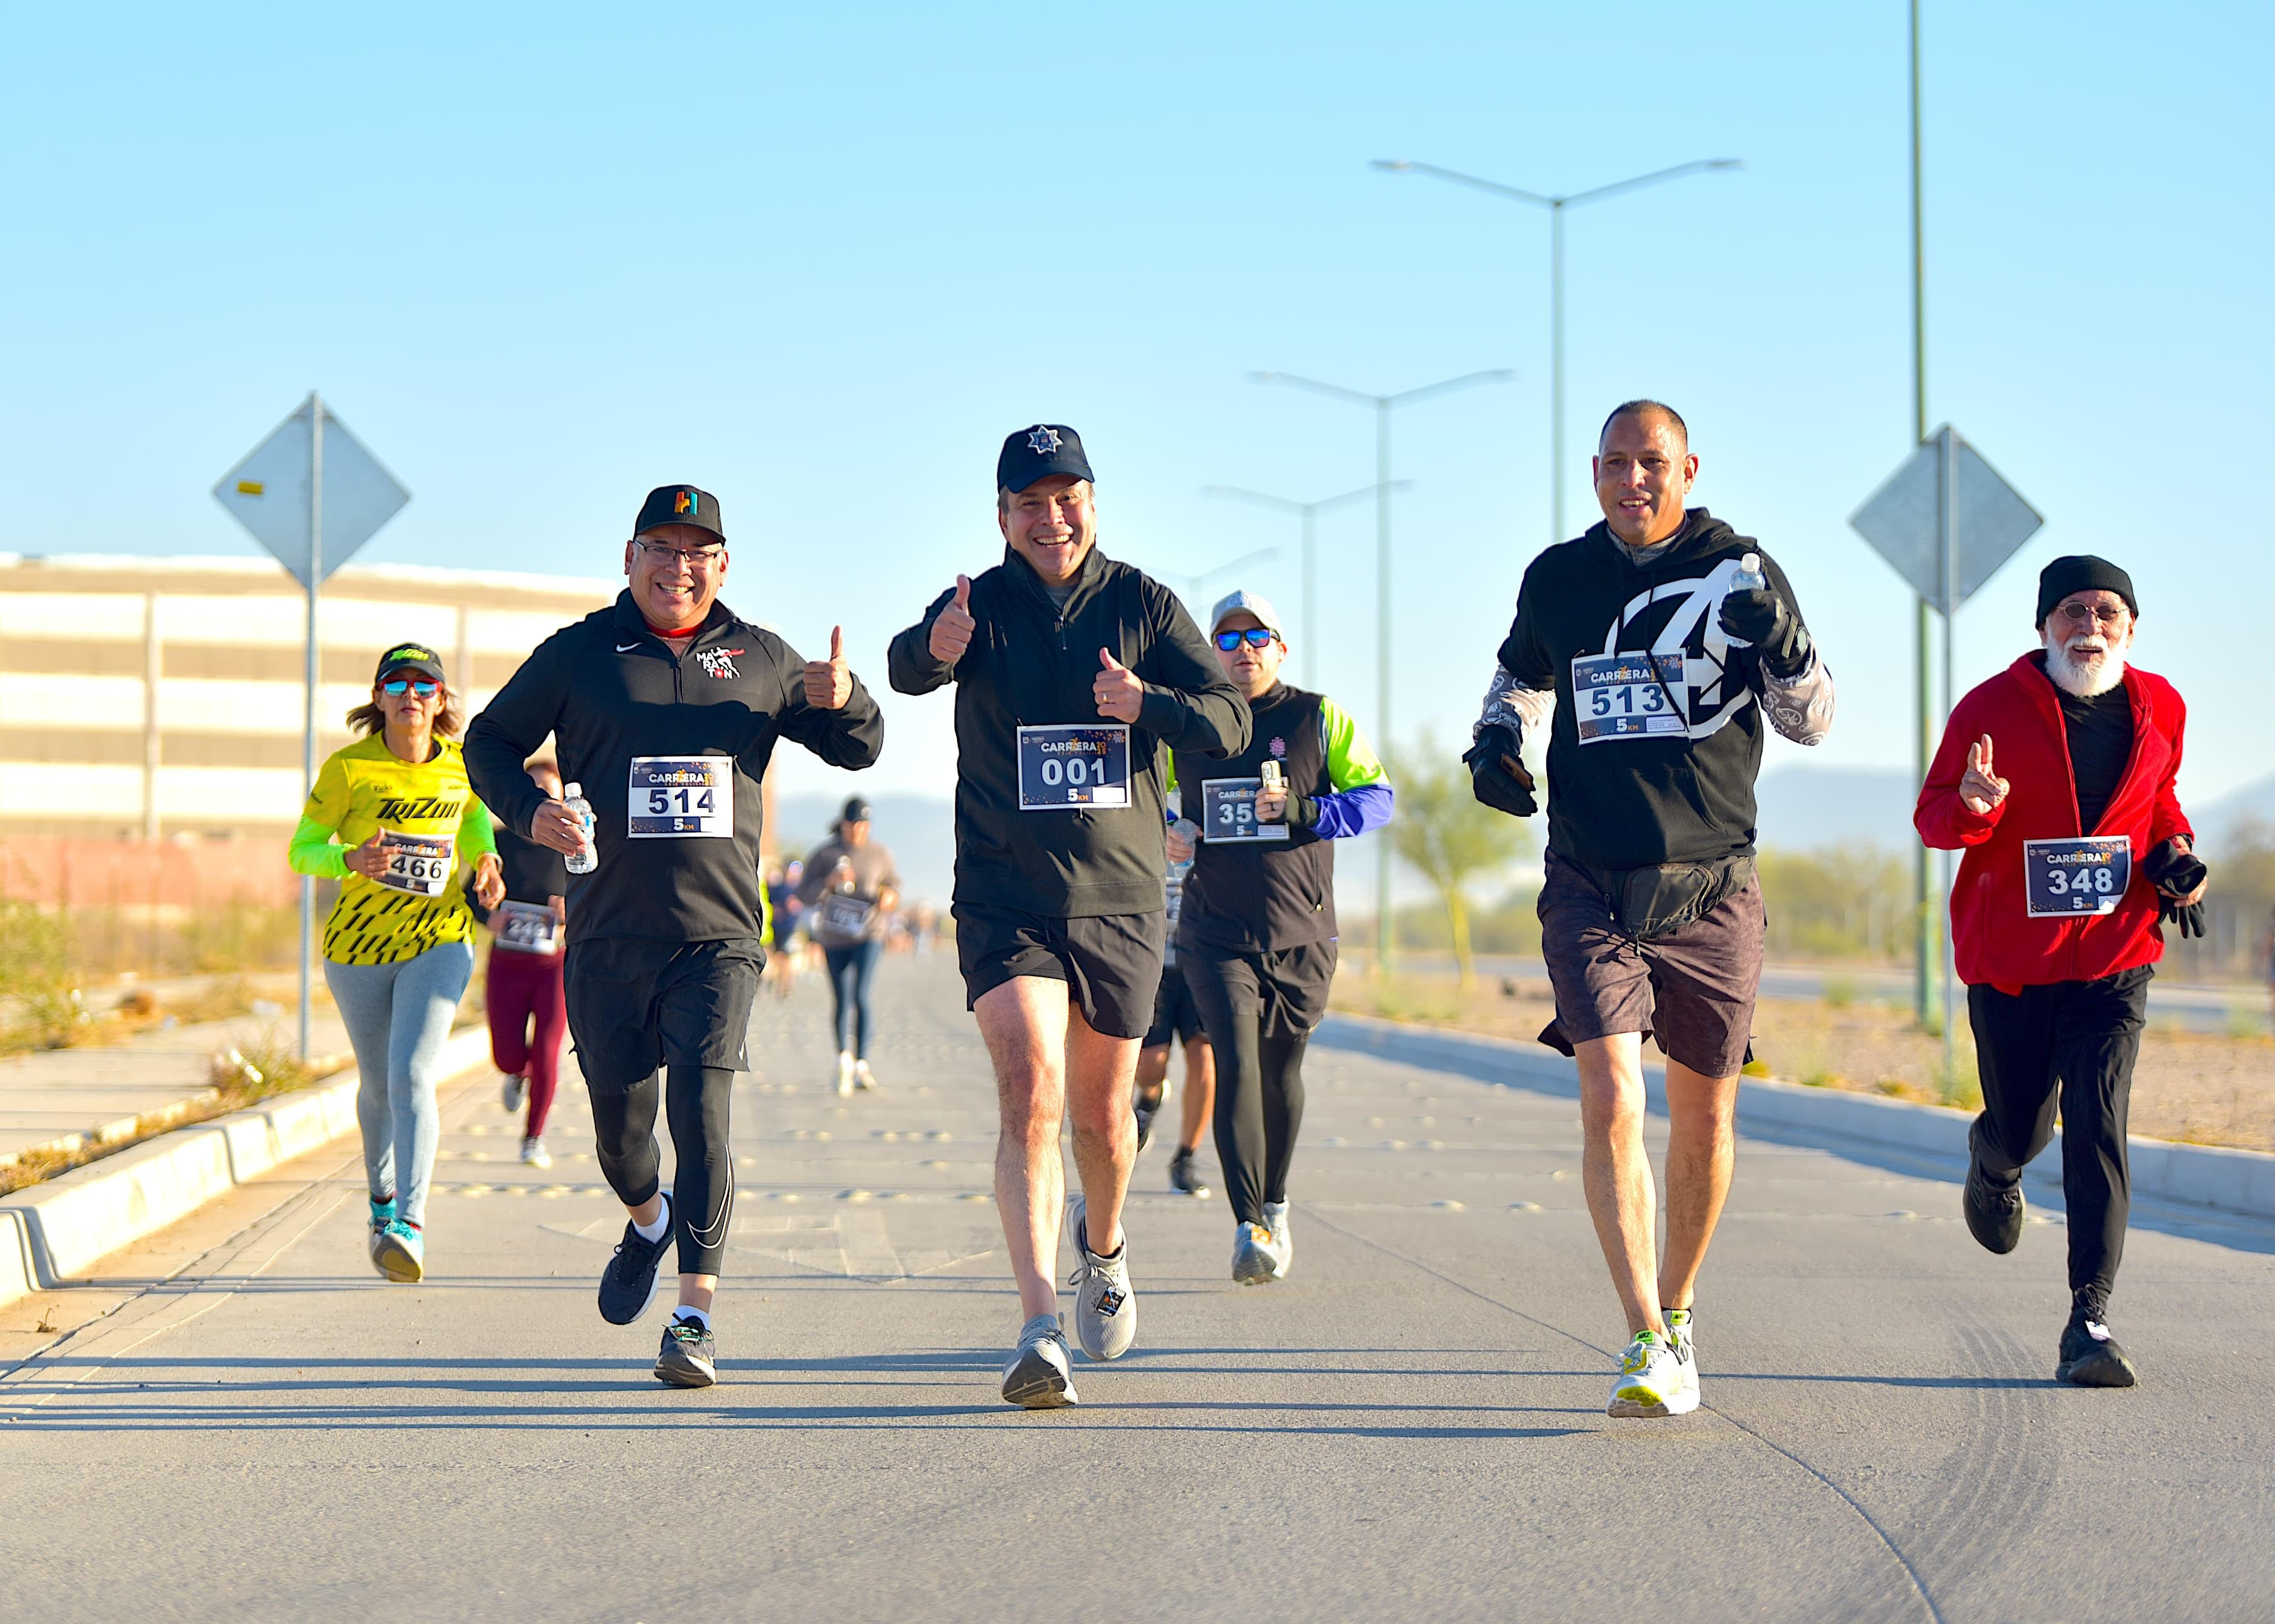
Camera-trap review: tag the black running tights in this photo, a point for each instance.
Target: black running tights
(703, 1177)
(1259, 1088)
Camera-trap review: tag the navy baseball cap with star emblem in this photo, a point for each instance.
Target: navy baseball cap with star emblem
(1037, 452)
(679, 504)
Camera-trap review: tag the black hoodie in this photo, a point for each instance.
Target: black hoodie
(1633, 800)
(1032, 662)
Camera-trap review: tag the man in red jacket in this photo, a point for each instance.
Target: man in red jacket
(2074, 855)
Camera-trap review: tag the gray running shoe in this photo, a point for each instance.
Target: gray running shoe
(689, 1358)
(1184, 1178)
(1040, 1376)
(1282, 1246)
(1251, 1254)
(1105, 1308)
(510, 1092)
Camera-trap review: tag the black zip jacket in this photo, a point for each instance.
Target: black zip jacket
(608, 689)
(1629, 802)
(1030, 662)
(1265, 895)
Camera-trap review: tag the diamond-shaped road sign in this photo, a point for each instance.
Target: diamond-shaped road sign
(273, 492)
(1906, 519)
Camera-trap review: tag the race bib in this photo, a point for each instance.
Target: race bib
(1625, 695)
(2085, 874)
(1229, 812)
(419, 863)
(1062, 767)
(680, 797)
(845, 916)
(526, 927)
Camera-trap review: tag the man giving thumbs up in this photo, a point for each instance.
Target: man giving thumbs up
(1075, 677)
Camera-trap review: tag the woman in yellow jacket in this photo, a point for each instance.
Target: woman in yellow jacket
(392, 819)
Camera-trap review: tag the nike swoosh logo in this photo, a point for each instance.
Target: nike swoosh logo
(626, 648)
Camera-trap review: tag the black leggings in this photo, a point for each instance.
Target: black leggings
(2074, 1041)
(850, 969)
(1260, 1083)
(703, 1180)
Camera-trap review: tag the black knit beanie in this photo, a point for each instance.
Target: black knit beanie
(2082, 572)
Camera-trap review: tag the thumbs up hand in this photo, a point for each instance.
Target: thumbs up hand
(1980, 790)
(829, 682)
(951, 632)
(1116, 688)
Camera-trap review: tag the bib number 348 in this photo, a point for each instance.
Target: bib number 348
(2074, 876)
(1064, 767)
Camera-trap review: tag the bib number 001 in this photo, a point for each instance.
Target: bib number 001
(680, 797)
(419, 863)
(2088, 874)
(1065, 768)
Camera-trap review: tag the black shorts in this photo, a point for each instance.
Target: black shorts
(1285, 990)
(1112, 964)
(635, 1004)
(1176, 1015)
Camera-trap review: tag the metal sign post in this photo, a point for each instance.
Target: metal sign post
(361, 497)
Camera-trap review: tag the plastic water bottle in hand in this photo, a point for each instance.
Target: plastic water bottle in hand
(588, 858)
(1190, 831)
(1747, 578)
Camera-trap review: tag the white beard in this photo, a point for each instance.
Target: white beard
(2096, 675)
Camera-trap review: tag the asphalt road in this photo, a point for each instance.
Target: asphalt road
(241, 1422)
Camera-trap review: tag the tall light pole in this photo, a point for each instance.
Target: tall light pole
(1556, 206)
(1383, 405)
(1309, 512)
(1926, 1006)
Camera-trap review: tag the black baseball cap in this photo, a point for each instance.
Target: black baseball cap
(409, 657)
(679, 504)
(857, 810)
(1037, 452)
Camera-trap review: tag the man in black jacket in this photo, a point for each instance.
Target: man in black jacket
(665, 709)
(1074, 677)
(1659, 640)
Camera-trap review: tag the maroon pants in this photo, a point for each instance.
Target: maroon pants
(528, 1024)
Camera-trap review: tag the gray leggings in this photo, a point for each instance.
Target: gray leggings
(398, 1017)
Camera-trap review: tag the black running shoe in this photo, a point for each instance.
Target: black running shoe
(1184, 1178)
(628, 1284)
(1994, 1216)
(688, 1357)
(2090, 1357)
(1145, 1114)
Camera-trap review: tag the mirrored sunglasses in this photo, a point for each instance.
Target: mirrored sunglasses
(1255, 637)
(419, 685)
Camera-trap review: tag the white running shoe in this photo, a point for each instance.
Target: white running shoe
(1282, 1245)
(1679, 1329)
(1105, 1308)
(533, 1153)
(844, 1084)
(864, 1078)
(510, 1091)
(1651, 1382)
(1040, 1376)
(1251, 1254)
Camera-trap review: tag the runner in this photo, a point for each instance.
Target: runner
(1175, 1020)
(1075, 676)
(785, 925)
(1257, 938)
(391, 818)
(1679, 637)
(666, 708)
(2069, 864)
(528, 1016)
(851, 890)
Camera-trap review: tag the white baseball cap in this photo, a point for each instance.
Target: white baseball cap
(1256, 603)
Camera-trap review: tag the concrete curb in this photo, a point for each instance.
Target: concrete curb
(2201, 1175)
(55, 1232)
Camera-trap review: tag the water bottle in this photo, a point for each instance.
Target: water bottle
(584, 861)
(1191, 831)
(1747, 578)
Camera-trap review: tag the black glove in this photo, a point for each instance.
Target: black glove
(1498, 775)
(1761, 617)
(2187, 917)
(2175, 872)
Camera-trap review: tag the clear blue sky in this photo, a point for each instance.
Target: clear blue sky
(543, 258)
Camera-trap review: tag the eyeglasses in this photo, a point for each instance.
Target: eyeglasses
(2085, 614)
(1255, 637)
(401, 685)
(696, 558)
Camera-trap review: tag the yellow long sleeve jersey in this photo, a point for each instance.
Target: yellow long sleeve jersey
(433, 829)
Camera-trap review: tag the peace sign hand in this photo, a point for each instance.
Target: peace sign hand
(1980, 790)
(829, 682)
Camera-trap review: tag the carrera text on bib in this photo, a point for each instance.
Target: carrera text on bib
(680, 797)
(1063, 768)
(419, 863)
(1229, 812)
(2084, 874)
(1625, 695)
(526, 927)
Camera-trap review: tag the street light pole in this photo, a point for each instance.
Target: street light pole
(1556, 206)
(1928, 944)
(1309, 512)
(1383, 405)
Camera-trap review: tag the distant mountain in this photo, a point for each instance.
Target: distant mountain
(2253, 802)
(1803, 808)
(920, 830)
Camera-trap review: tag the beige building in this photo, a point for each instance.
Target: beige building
(162, 697)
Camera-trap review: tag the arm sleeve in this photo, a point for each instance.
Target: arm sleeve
(2166, 818)
(851, 736)
(476, 838)
(511, 727)
(909, 666)
(1190, 701)
(1510, 704)
(313, 850)
(1523, 693)
(1359, 795)
(1945, 822)
(1799, 707)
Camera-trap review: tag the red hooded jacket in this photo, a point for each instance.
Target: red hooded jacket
(1997, 941)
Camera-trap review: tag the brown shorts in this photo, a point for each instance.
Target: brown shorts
(1692, 989)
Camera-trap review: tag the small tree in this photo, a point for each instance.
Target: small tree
(1446, 837)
